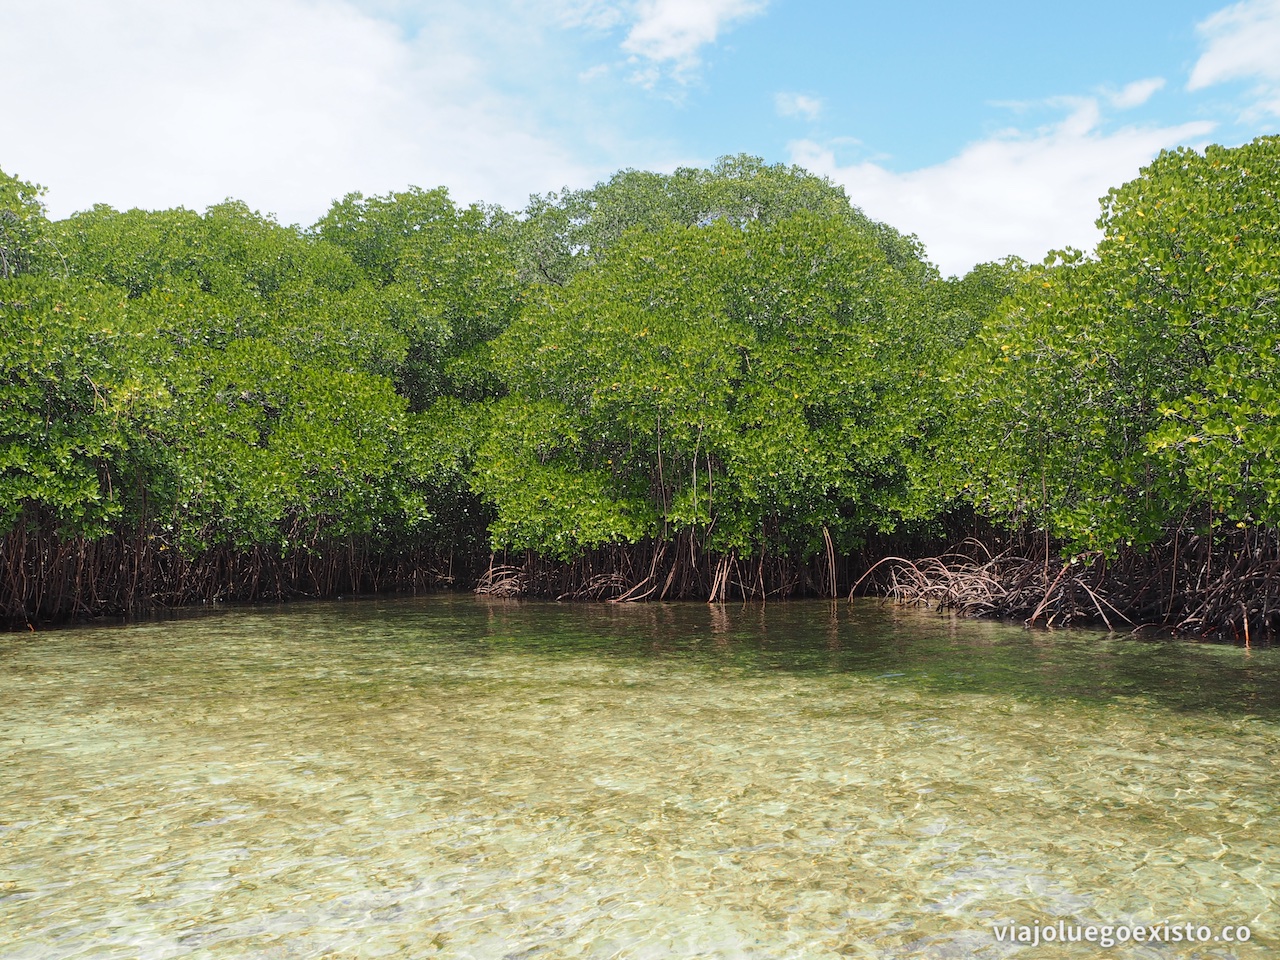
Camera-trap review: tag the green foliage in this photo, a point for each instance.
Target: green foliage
(229, 252)
(433, 477)
(231, 274)
(552, 493)
(575, 229)
(1202, 237)
(268, 450)
(229, 384)
(1115, 395)
(1038, 396)
(24, 241)
(753, 382)
(736, 354)
(447, 279)
(76, 379)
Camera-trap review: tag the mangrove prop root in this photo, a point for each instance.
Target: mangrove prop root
(677, 569)
(1227, 588)
(47, 578)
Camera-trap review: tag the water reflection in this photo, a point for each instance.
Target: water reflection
(459, 778)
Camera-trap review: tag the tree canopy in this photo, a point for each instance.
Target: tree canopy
(1114, 394)
(735, 355)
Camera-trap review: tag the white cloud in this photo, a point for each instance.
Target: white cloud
(664, 37)
(1010, 194)
(673, 32)
(797, 105)
(596, 14)
(592, 74)
(1243, 42)
(285, 105)
(1137, 93)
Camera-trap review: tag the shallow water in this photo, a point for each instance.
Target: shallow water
(450, 777)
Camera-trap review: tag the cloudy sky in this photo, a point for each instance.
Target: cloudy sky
(986, 129)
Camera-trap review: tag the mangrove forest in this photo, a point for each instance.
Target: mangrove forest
(718, 383)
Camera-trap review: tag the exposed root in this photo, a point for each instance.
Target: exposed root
(502, 581)
(1224, 591)
(46, 578)
(1224, 587)
(604, 586)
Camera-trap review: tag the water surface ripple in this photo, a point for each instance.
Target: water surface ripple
(449, 777)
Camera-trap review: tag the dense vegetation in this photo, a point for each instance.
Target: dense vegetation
(711, 383)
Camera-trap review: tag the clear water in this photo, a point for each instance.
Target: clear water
(450, 777)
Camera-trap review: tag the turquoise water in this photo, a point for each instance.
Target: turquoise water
(454, 777)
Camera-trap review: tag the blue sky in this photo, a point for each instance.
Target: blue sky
(986, 129)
